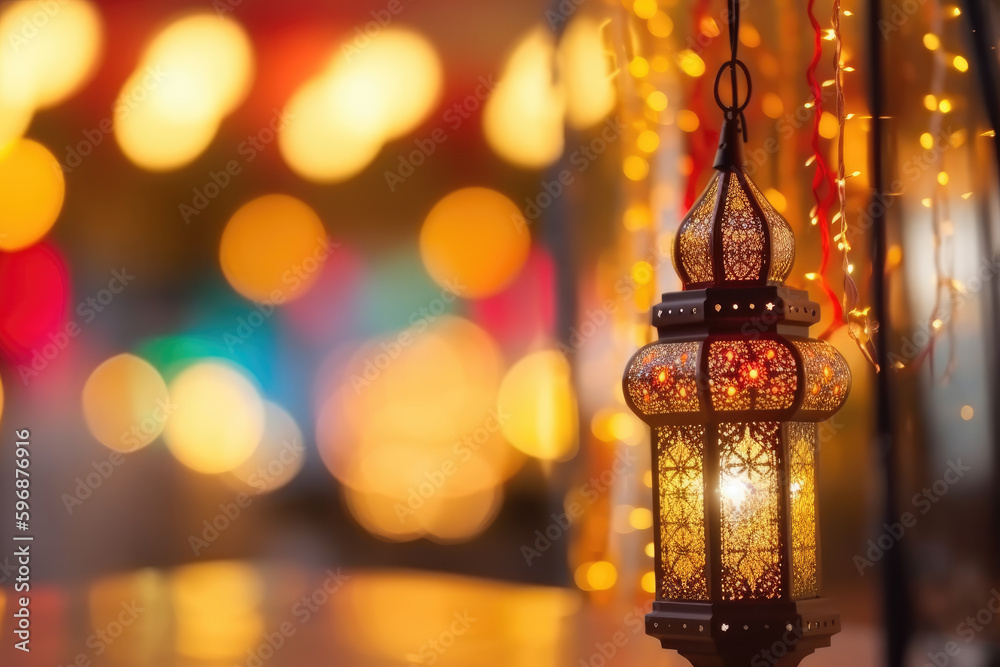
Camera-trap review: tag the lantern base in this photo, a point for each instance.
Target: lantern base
(737, 634)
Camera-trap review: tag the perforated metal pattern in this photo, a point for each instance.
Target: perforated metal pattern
(782, 239)
(802, 489)
(695, 236)
(662, 378)
(742, 236)
(827, 376)
(680, 453)
(747, 375)
(751, 529)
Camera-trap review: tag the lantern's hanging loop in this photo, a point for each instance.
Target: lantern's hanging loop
(734, 109)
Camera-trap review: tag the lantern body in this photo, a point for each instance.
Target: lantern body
(733, 390)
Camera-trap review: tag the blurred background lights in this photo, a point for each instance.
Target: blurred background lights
(217, 610)
(147, 631)
(539, 405)
(125, 403)
(36, 287)
(218, 417)
(412, 432)
(278, 457)
(474, 242)
(596, 576)
(364, 98)
(208, 63)
(273, 249)
(583, 62)
(32, 190)
(48, 51)
(523, 118)
(194, 73)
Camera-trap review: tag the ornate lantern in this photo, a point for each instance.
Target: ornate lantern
(732, 391)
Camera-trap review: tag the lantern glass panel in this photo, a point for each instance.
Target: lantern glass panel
(749, 493)
(751, 375)
(782, 239)
(828, 377)
(802, 489)
(663, 379)
(680, 462)
(696, 237)
(742, 235)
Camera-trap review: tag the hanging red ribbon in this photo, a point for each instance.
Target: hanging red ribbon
(701, 143)
(824, 184)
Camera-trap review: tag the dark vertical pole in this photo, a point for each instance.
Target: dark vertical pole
(988, 73)
(894, 581)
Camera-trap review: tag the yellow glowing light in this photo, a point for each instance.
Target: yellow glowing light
(54, 46)
(218, 418)
(777, 199)
(772, 105)
(207, 65)
(657, 100)
(960, 63)
(687, 120)
(648, 141)
(638, 67)
(343, 116)
(193, 73)
(145, 589)
(955, 11)
(649, 582)
(967, 412)
(523, 118)
(642, 272)
(690, 63)
(944, 106)
(637, 217)
(600, 576)
(650, 549)
(476, 238)
(645, 9)
(218, 608)
(384, 435)
(942, 178)
(278, 457)
(660, 25)
(32, 190)
(926, 201)
(538, 394)
(647, 479)
(585, 73)
(930, 102)
(926, 140)
(829, 126)
(749, 36)
(126, 403)
(154, 139)
(321, 145)
(932, 42)
(640, 518)
(635, 168)
(273, 248)
(710, 27)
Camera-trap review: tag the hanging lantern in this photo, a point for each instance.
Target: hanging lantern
(733, 390)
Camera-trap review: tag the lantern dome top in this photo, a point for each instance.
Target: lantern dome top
(733, 235)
